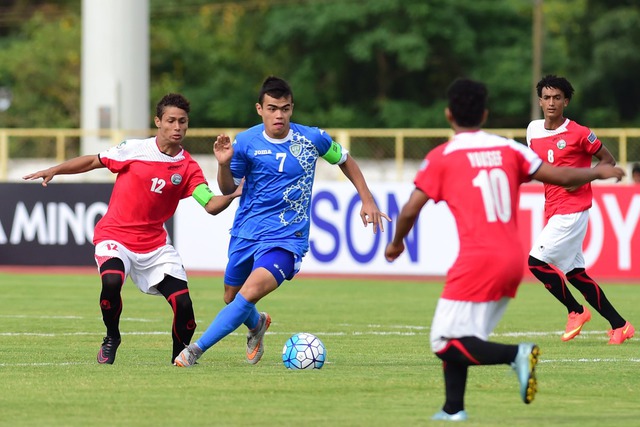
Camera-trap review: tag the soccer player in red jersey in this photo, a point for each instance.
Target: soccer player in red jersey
(557, 251)
(153, 175)
(478, 175)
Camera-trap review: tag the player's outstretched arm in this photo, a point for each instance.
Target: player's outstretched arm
(568, 177)
(604, 157)
(219, 203)
(211, 203)
(72, 166)
(369, 211)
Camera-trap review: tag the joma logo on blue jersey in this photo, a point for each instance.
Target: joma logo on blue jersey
(261, 152)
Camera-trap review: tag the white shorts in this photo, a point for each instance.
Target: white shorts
(560, 242)
(457, 319)
(146, 270)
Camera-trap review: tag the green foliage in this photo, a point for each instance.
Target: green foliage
(593, 43)
(616, 53)
(42, 68)
(220, 74)
(379, 370)
(381, 63)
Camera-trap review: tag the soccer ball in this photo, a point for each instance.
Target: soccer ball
(303, 351)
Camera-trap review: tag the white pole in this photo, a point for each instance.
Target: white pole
(536, 62)
(115, 69)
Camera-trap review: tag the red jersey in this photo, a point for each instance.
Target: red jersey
(478, 175)
(570, 145)
(146, 193)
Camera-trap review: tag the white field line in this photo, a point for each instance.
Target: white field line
(28, 316)
(556, 361)
(377, 330)
(401, 330)
(374, 329)
(6, 365)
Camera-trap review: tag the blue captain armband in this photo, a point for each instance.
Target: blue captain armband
(336, 155)
(202, 194)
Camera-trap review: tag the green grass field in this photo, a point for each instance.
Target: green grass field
(379, 370)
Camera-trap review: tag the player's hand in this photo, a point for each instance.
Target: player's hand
(46, 175)
(370, 214)
(393, 251)
(606, 171)
(238, 191)
(223, 149)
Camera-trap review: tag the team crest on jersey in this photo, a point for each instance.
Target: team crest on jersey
(176, 179)
(561, 144)
(295, 149)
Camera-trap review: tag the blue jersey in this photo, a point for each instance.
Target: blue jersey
(279, 173)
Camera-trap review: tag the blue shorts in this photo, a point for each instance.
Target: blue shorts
(247, 255)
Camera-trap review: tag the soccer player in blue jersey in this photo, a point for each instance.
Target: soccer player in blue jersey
(270, 233)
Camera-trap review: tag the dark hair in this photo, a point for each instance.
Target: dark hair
(636, 168)
(172, 100)
(276, 88)
(557, 83)
(467, 102)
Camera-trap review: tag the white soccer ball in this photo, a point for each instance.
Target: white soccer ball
(303, 351)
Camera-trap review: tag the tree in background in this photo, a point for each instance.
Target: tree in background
(353, 63)
(40, 63)
(594, 43)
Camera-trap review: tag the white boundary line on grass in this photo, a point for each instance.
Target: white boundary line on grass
(602, 334)
(350, 325)
(556, 361)
(423, 331)
(7, 365)
(594, 360)
(29, 316)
